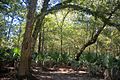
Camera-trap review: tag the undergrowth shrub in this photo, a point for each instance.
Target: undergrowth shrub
(8, 56)
(93, 61)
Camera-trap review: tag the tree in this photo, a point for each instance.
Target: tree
(34, 25)
(27, 41)
(96, 34)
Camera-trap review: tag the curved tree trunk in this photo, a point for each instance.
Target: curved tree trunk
(90, 42)
(96, 34)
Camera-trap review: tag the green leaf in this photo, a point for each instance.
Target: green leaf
(16, 50)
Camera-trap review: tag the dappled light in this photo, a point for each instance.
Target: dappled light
(59, 39)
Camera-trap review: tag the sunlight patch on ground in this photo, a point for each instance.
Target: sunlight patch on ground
(65, 70)
(46, 77)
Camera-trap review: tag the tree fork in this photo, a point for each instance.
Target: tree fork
(39, 23)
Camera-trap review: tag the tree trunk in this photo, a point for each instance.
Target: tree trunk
(39, 22)
(23, 71)
(30, 38)
(43, 40)
(39, 43)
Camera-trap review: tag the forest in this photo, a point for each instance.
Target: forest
(59, 39)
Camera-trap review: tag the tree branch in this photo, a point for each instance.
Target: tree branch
(95, 36)
(85, 10)
(38, 25)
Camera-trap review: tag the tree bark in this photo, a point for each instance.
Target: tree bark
(39, 43)
(30, 38)
(43, 33)
(23, 71)
(39, 22)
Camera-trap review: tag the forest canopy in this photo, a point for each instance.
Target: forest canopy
(37, 30)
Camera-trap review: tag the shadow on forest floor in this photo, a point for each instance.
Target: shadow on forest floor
(64, 74)
(60, 73)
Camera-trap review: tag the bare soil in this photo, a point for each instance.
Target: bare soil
(60, 73)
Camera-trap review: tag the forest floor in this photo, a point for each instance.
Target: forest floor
(60, 73)
(64, 74)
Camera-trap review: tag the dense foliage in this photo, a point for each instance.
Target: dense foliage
(60, 30)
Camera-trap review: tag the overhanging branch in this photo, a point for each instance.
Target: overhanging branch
(85, 10)
(95, 36)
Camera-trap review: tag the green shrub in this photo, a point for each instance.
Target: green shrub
(7, 54)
